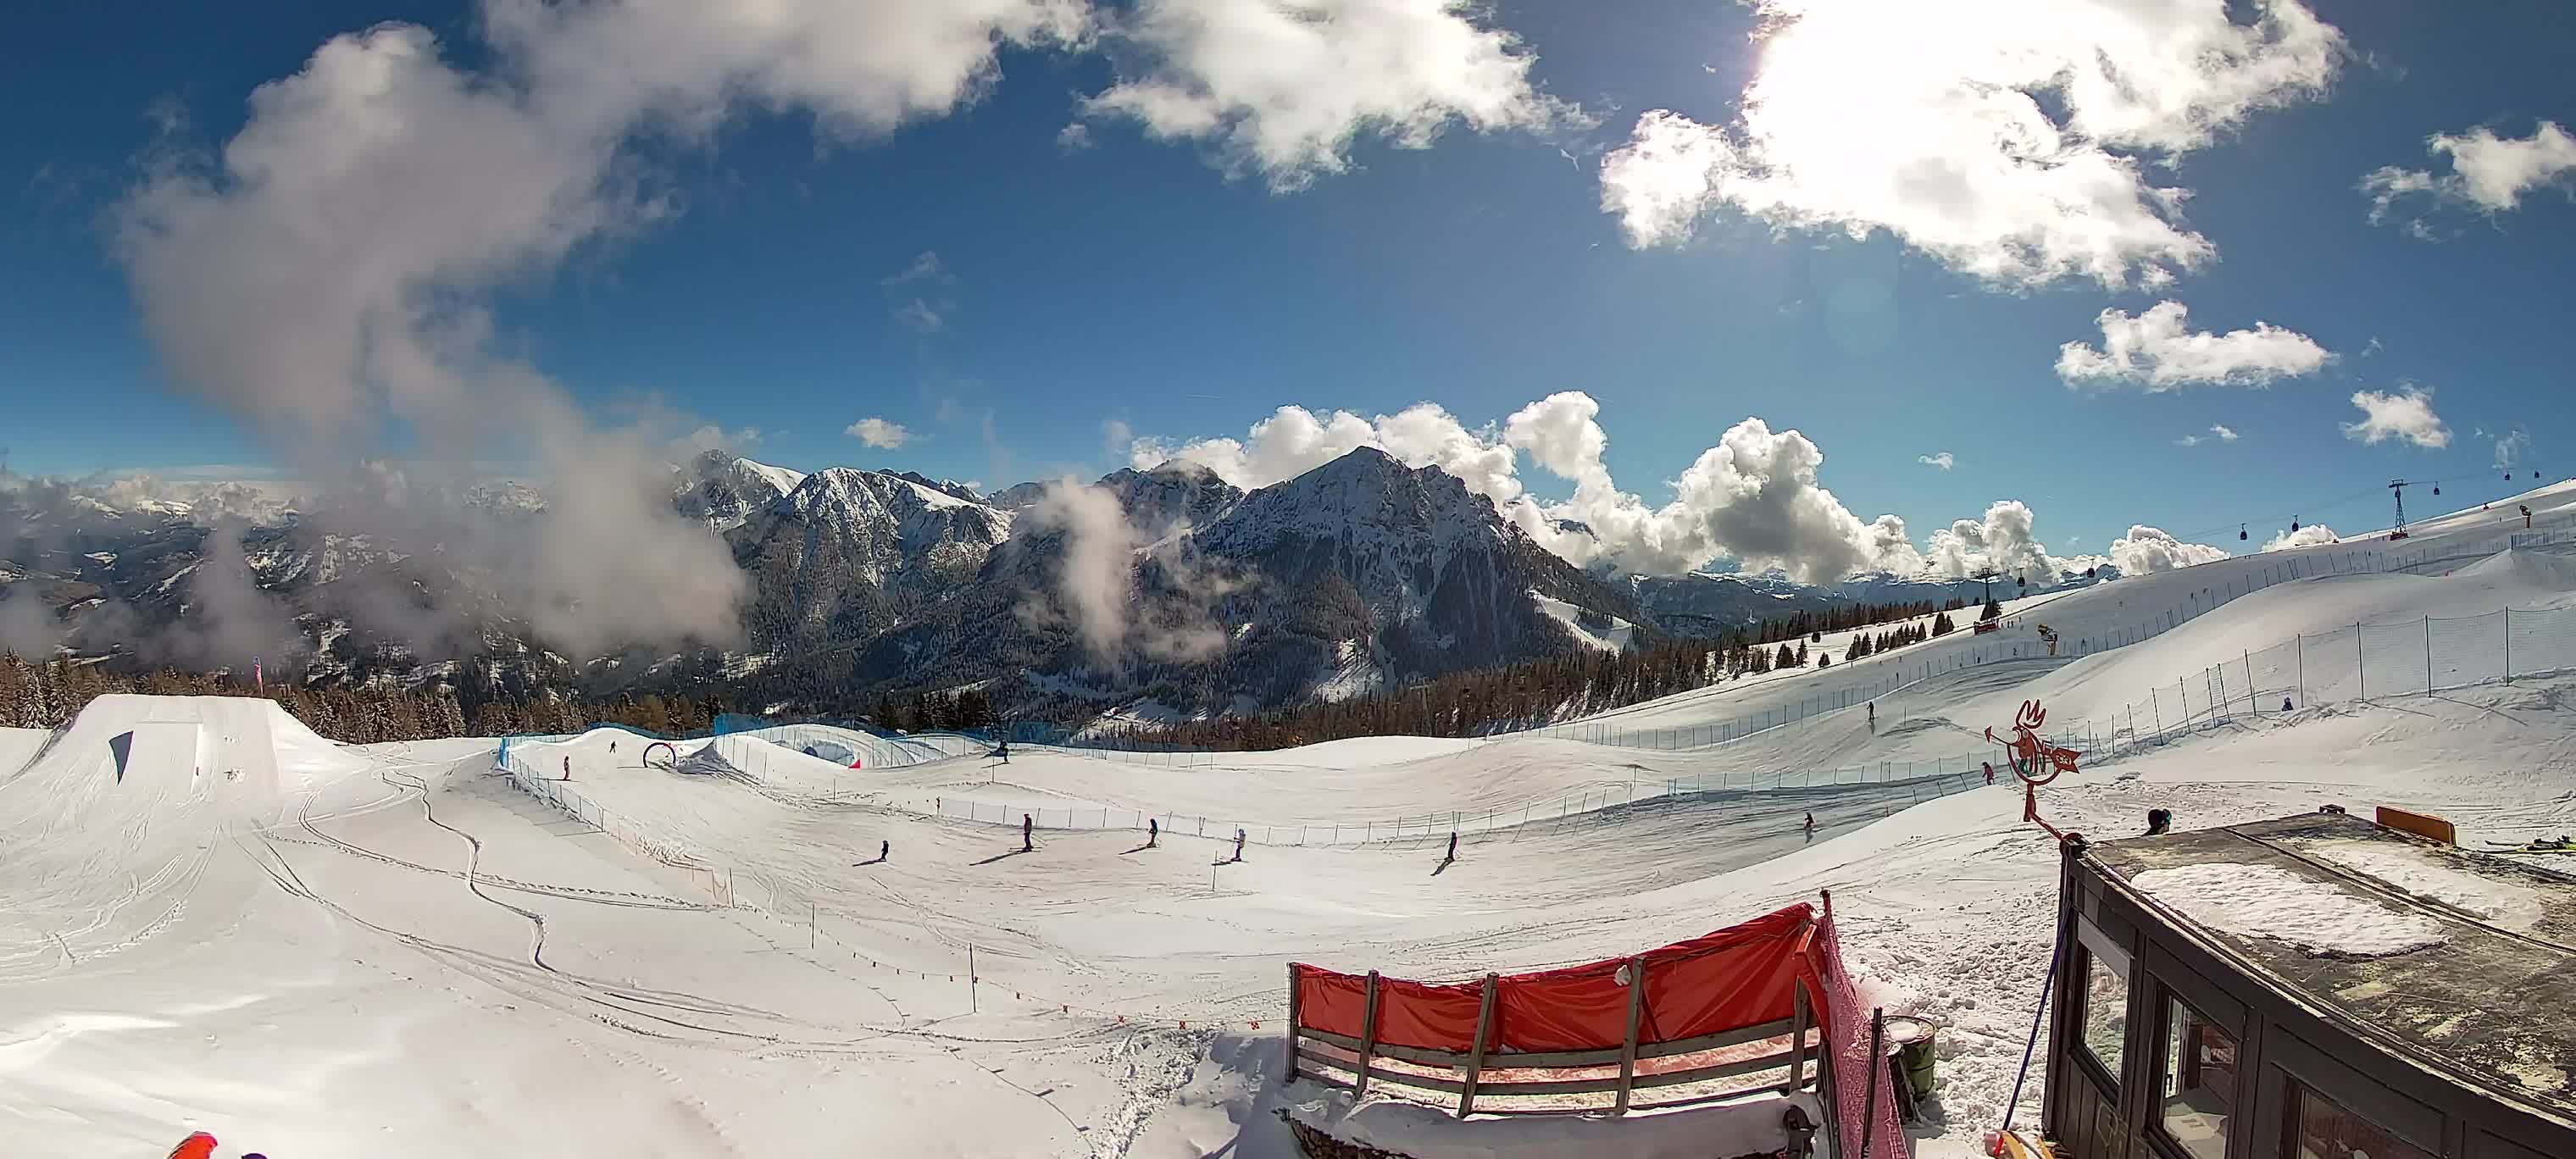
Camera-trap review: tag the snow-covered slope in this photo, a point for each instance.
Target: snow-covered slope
(311, 949)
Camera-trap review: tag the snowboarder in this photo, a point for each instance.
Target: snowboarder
(1026, 828)
(1238, 843)
(1453, 846)
(1002, 752)
(1153, 832)
(2285, 704)
(2159, 821)
(885, 850)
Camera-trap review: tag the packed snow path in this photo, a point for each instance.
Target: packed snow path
(313, 949)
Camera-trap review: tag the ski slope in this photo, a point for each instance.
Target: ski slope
(316, 949)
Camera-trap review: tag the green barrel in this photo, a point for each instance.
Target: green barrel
(1912, 1040)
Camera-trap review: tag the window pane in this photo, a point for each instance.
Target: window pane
(2199, 1082)
(2322, 1129)
(2106, 1013)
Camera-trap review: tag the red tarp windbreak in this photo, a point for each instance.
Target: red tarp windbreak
(1736, 978)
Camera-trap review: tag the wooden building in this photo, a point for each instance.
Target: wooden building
(2312, 987)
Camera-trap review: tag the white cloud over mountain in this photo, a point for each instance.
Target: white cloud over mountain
(1754, 496)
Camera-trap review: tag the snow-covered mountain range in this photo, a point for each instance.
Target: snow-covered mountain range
(1359, 575)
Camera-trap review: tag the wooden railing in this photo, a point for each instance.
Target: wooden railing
(1353, 1063)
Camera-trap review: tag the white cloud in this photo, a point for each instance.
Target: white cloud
(2188, 441)
(2488, 173)
(2309, 536)
(924, 293)
(2157, 350)
(2004, 540)
(2223, 432)
(2010, 141)
(878, 433)
(1942, 460)
(1754, 497)
(2405, 414)
(1283, 88)
(2147, 549)
(2510, 447)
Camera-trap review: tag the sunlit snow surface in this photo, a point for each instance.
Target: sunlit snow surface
(312, 949)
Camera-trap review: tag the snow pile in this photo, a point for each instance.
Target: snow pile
(2513, 907)
(2263, 901)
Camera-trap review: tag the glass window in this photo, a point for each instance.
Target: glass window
(2199, 1082)
(2321, 1129)
(2106, 1012)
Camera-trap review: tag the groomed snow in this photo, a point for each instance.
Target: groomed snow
(2266, 901)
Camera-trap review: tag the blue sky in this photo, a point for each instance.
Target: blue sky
(1175, 286)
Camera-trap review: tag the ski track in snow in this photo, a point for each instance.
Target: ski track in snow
(312, 949)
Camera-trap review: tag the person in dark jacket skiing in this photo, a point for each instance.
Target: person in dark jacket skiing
(885, 850)
(567, 768)
(1811, 825)
(1453, 845)
(1153, 832)
(1238, 843)
(1026, 828)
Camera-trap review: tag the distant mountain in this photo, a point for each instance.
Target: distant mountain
(1361, 574)
(849, 553)
(725, 490)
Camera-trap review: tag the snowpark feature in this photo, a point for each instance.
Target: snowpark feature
(313, 949)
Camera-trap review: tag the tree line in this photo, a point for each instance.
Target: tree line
(1539, 692)
(49, 694)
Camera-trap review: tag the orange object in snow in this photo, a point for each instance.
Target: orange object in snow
(199, 1145)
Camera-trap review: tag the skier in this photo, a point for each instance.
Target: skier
(2159, 821)
(1811, 825)
(885, 850)
(198, 1145)
(1153, 832)
(1002, 752)
(567, 768)
(1238, 843)
(1453, 846)
(612, 748)
(2285, 704)
(1873, 716)
(1990, 772)
(1026, 827)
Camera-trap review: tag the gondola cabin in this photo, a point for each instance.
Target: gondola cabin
(2312, 987)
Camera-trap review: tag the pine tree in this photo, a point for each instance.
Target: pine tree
(1994, 610)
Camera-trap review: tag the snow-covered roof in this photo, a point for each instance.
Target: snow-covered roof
(2462, 962)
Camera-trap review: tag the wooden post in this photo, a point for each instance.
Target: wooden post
(1797, 1038)
(1476, 1056)
(1368, 1039)
(1292, 1022)
(1628, 1049)
(1877, 1070)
